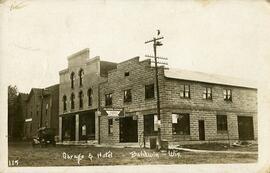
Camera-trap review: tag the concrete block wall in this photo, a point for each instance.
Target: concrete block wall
(243, 99)
(140, 74)
(105, 137)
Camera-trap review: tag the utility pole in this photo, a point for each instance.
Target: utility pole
(155, 44)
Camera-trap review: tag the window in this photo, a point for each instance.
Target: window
(81, 73)
(72, 78)
(126, 74)
(222, 123)
(127, 95)
(46, 112)
(108, 99)
(185, 91)
(81, 99)
(72, 97)
(64, 102)
(149, 91)
(207, 93)
(110, 126)
(150, 124)
(227, 94)
(90, 96)
(180, 124)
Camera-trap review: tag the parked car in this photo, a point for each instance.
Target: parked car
(45, 136)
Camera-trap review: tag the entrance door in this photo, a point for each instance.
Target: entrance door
(87, 126)
(68, 128)
(128, 129)
(245, 128)
(201, 130)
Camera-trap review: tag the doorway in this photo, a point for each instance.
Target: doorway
(128, 127)
(68, 128)
(245, 128)
(87, 126)
(201, 130)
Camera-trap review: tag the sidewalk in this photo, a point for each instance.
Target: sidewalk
(211, 151)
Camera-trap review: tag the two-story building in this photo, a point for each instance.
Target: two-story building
(117, 103)
(194, 106)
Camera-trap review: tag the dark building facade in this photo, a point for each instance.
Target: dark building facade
(195, 107)
(41, 110)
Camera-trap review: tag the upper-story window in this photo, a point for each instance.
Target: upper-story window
(207, 93)
(81, 99)
(185, 91)
(90, 96)
(127, 95)
(72, 103)
(81, 73)
(126, 74)
(149, 91)
(227, 94)
(64, 102)
(72, 78)
(108, 99)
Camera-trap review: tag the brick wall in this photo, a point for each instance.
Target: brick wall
(93, 68)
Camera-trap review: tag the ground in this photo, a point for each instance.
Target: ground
(23, 154)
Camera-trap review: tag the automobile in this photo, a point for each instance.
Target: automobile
(44, 137)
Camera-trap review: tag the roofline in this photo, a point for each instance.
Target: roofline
(238, 86)
(63, 71)
(86, 50)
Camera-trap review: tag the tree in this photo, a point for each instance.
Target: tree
(12, 108)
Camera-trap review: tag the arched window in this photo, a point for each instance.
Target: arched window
(90, 96)
(72, 97)
(81, 73)
(81, 99)
(72, 78)
(64, 102)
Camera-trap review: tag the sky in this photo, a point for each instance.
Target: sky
(230, 38)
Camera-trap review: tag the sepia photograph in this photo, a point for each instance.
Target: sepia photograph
(113, 85)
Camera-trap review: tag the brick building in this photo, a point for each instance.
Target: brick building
(79, 96)
(194, 106)
(41, 110)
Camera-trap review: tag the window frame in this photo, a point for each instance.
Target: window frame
(152, 94)
(126, 74)
(81, 75)
(177, 128)
(127, 98)
(149, 127)
(72, 101)
(206, 94)
(72, 80)
(90, 96)
(184, 92)
(64, 99)
(222, 126)
(110, 126)
(227, 96)
(80, 99)
(108, 103)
